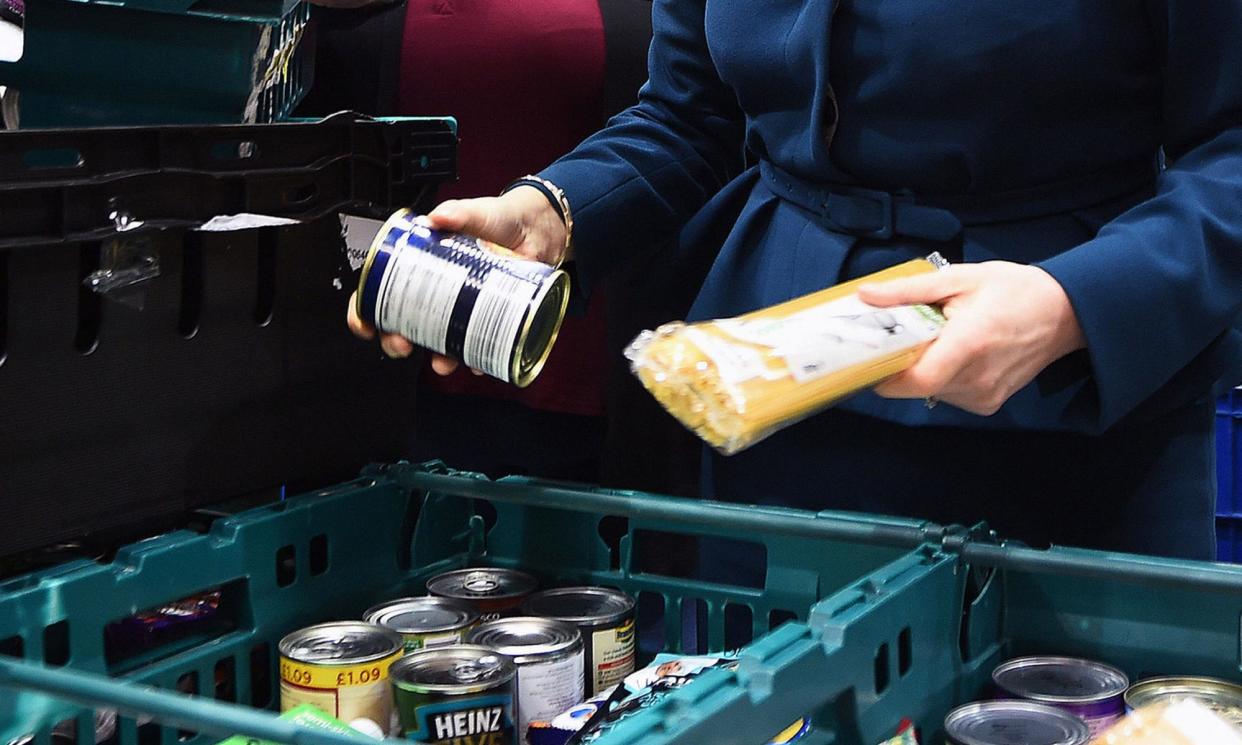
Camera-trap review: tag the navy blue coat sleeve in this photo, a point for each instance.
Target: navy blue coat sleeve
(641, 178)
(1162, 282)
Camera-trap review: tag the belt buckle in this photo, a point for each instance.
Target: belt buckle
(889, 215)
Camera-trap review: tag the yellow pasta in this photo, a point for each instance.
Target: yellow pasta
(734, 381)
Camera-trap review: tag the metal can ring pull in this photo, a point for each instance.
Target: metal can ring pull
(472, 671)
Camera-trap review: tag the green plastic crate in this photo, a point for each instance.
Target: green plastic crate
(138, 62)
(333, 553)
(922, 635)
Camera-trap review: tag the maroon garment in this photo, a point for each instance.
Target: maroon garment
(524, 78)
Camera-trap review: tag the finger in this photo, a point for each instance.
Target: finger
(450, 215)
(476, 217)
(477, 373)
(935, 371)
(933, 287)
(395, 346)
(355, 323)
(443, 365)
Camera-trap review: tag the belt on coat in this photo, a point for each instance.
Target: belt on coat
(881, 215)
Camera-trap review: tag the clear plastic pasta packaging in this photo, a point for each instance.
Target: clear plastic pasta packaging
(1185, 721)
(735, 381)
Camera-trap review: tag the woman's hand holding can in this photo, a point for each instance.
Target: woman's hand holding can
(521, 220)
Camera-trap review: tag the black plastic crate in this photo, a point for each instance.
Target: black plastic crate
(236, 374)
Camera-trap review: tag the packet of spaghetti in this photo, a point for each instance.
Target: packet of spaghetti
(1180, 722)
(735, 381)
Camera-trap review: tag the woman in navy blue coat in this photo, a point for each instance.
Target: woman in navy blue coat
(1081, 162)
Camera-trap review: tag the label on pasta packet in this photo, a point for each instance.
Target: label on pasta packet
(826, 338)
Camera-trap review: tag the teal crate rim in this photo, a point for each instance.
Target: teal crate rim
(440, 488)
(768, 668)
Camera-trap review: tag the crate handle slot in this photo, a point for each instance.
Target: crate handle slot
(199, 714)
(53, 159)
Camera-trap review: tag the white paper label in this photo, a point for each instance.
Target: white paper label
(612, 655)
(544, 690)
(836, 335)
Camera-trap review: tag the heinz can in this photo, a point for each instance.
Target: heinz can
(496, 312)
(605, 619)
(455, 695)
(341, 668)
(1220, 696)
(549, 660)
(1092, 691)
(493, 592)
(425, 622)
(1012, 722)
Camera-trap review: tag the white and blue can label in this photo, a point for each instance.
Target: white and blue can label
(495, 312)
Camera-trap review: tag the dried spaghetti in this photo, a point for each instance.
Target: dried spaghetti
(735, 381)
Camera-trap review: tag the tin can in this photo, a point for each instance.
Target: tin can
(1220, 696)
(496, 312)
(341, 668)
(1009, 722)
(425, 622)
(455, 695)
(1092, 691)
(549, 659)
(493, 592)
(605, 618)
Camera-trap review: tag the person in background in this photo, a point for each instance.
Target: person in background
(526, 80)
(1080, 163)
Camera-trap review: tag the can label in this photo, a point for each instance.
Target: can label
(545, 689)
(1097, 724)
(449, 294)
(347, 692)
(457, 720)
(613, 653)
(415, 642)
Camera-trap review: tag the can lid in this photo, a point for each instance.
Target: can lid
(422, 615)
(1061, 680)
(460, 668)
(540, 329)
(482, 583)
(526, 636)
(580, 605)
(1014, 723)
(1221, 696)
(341, 643)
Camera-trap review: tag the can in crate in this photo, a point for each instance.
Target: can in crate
(548, 654)
(1011, 722)
(425, 622)
(1221, 696)
(341, 668)
(493, 592)
(496, 312)
(1092, 691)
(605, 618)
(455, 695)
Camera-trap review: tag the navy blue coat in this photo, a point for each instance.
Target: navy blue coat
(1101, 140)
